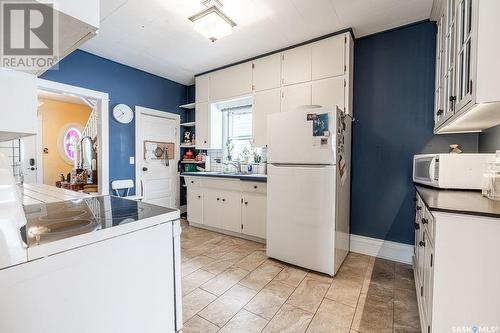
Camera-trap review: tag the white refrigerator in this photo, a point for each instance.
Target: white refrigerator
(308, 189)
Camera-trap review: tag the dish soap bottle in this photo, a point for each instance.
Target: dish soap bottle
(491, 186)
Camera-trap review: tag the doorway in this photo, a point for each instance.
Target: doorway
(157, 154)
(72, 139)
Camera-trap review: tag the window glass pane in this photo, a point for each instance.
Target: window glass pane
(239, 131)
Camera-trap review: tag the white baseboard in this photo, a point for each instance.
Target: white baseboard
(382, 249)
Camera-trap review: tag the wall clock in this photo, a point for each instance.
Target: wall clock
(123, 113)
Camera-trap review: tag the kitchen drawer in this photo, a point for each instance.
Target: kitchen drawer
(221, 184)
(253, 187)
(193, 182)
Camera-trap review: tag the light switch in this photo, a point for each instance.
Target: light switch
(132, 160)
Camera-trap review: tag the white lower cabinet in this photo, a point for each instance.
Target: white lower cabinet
(195, 206)
(235, 206)
(230, 211)
(253, 215)
(210, 210)
(462, 290)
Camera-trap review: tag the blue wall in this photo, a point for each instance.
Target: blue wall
(393, 105)
(124, 85)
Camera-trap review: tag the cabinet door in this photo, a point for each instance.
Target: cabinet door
(202, 114)
(264, 103)
(464, 53)
(202, 88)
(428, 280)
(18, 93)
(211, 208)
(449, 84)
(254, 215)
(230, 211)
(296, 65)
(421, 254)
(329, 92)
(328, 57)
(295, 96)
(266, 72)
(439, 79)
(195, 206)
(231, 82)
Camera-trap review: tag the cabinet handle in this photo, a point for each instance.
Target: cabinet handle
(205, 141)
(419, 207)
(453, 98)
(255, 186)
(425, 221)
(223, 199)
(192, 182)
(439, 112)
(199, 197)
(218, 199)
(246, 203)
(417, 226)
(421, 243)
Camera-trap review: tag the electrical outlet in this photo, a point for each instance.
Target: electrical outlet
(132, 160)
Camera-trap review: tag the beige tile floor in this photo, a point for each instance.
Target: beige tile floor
(229, 285)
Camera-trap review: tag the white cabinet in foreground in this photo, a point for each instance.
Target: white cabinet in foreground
(227, 205)
(456, 270)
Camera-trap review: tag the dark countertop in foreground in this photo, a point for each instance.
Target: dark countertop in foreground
(244, 177)
(458, 202)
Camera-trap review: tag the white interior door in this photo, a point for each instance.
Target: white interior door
(157, 178)
(30, 160)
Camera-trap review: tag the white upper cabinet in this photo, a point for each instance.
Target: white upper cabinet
(202, 115)
(18, 93)
(202, 84)
(467, 95)
(208, 127)
(296, 96)
(264, 104)
(328, 57)
(266, 72)
(329, 92)
(231, 82)
(296, 65)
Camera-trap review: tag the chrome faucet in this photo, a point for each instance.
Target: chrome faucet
(236, 164)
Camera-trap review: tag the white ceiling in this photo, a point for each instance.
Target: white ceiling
(157, 37)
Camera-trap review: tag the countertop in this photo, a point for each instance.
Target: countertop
(458, 202)
(41, 193)
(245, 177)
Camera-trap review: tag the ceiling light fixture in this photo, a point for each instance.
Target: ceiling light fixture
(212, 22)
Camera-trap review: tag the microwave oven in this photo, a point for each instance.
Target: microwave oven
(451, 171)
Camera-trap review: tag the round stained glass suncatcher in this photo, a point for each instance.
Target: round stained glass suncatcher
(70, 139)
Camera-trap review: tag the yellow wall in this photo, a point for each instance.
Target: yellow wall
(55, 117)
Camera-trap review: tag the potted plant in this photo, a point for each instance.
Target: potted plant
(261, 167)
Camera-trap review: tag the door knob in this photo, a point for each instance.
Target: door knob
(144, 169)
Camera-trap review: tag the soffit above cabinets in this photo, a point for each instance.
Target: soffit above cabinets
(156, 36)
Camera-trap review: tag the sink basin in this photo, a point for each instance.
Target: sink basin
(57, 227)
